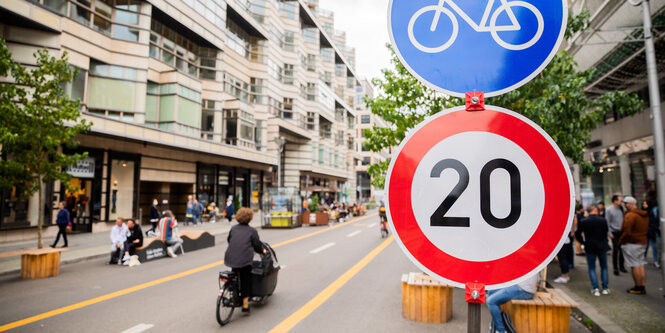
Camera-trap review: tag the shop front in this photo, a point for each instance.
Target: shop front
(122, 186)
(83, 195)
(244, 186)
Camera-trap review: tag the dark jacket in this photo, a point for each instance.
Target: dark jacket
(199, 209)
(134, 234)
(154, 213)
(243, 242)
(635, 227)
(594, 228)
(63, 217)
(654, 223)
(230, 210)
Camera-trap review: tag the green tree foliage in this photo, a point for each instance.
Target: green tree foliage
(37, 119)
(555, 100)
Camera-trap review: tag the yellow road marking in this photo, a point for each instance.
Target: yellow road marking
(302, 313)
(122, 292)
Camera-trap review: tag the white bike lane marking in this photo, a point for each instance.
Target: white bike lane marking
(322, 248)
(355, 233)
(372, 225)
(139, 328)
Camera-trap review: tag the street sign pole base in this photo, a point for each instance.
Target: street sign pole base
(474, 295)
(475, 101)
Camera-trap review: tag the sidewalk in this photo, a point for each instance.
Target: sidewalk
(95, 245)
(619, 311)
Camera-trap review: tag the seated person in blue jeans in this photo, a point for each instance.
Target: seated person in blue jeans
(495, 298)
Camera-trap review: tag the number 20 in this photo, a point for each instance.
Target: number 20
(438, 219)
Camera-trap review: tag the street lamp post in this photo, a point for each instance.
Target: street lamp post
(280, 148)
(654, 98)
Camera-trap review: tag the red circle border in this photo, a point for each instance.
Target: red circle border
(556, 213)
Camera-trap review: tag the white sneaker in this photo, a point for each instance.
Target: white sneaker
(656, 264)
(606, 292)
(170, 252)
(126, 257)
(596, 292)
(562, 279)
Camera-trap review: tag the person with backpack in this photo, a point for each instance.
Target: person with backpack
(169, 233)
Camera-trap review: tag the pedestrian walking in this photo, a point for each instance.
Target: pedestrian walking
(118, 238)
(592, 232)
(229, 210)
(198, 212)
(634, 243)
(168, 233)
(189, 210)
(243, 242)
(154, 216)
(62, 221)
(134, 240)
(653, 234)
(564, 256)
(614, 217)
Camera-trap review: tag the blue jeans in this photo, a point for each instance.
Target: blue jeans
(197, 217)
(654, 245)
(591, 264)
(497, 297)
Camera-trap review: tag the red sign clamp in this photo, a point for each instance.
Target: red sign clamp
(474, 292)
(475, 101)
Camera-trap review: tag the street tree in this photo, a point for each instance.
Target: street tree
(37, 119)
(555, 100)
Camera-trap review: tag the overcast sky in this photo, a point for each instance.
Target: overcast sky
(365, 23)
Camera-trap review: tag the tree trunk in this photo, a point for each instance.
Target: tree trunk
(40, 217)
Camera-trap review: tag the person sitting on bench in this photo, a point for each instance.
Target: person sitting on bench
(134, 240)
(118, 238)
(495, 298)
(169, 233)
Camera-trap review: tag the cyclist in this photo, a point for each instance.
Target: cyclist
(383, 217)
(243, 242)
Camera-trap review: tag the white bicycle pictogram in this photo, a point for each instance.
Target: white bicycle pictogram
(492, 28)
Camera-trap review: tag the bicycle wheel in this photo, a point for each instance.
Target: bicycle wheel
(505, 7)
(225, 306)
(437, 10)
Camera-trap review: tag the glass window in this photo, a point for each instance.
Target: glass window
(126, 33)
(80, 14)
(59, 6)
(365, 119)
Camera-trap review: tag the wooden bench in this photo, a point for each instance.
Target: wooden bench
(425, 299)
(546, 312)
(38, 263)
(154, 248)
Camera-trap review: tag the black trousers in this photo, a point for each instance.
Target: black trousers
(245, 277)
(62, 230)
(564, 257)
(115, 255)
(617, 255)
(131, 247)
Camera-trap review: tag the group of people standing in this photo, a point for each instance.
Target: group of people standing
(631, 229)
(195, 211)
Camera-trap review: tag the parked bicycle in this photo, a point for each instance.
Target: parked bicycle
(484, 26)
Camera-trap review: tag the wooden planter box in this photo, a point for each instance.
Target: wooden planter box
(425, 299)
(40, 263)
(314, 218)
(546, 312)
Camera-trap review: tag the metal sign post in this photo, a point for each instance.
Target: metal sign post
(654, 98)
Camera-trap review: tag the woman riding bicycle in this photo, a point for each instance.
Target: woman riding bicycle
(243, 242)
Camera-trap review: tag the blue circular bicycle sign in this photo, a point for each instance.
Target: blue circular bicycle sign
(493, 46)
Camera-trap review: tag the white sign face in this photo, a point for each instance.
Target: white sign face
(83, 169)
(474, 150)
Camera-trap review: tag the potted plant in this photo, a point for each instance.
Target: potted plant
(315, 216)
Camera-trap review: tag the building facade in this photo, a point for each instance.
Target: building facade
(193, 97)
(622, 148)
(367, 120)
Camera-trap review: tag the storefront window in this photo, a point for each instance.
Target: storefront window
(206, 184)
(122, 189)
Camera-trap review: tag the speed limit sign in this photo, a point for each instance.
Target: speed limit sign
(479, 197)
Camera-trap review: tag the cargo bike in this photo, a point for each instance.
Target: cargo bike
(264, 282)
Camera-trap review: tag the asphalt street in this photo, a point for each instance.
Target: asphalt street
(179, 294)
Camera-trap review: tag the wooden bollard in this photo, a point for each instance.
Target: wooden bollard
(425, 299)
